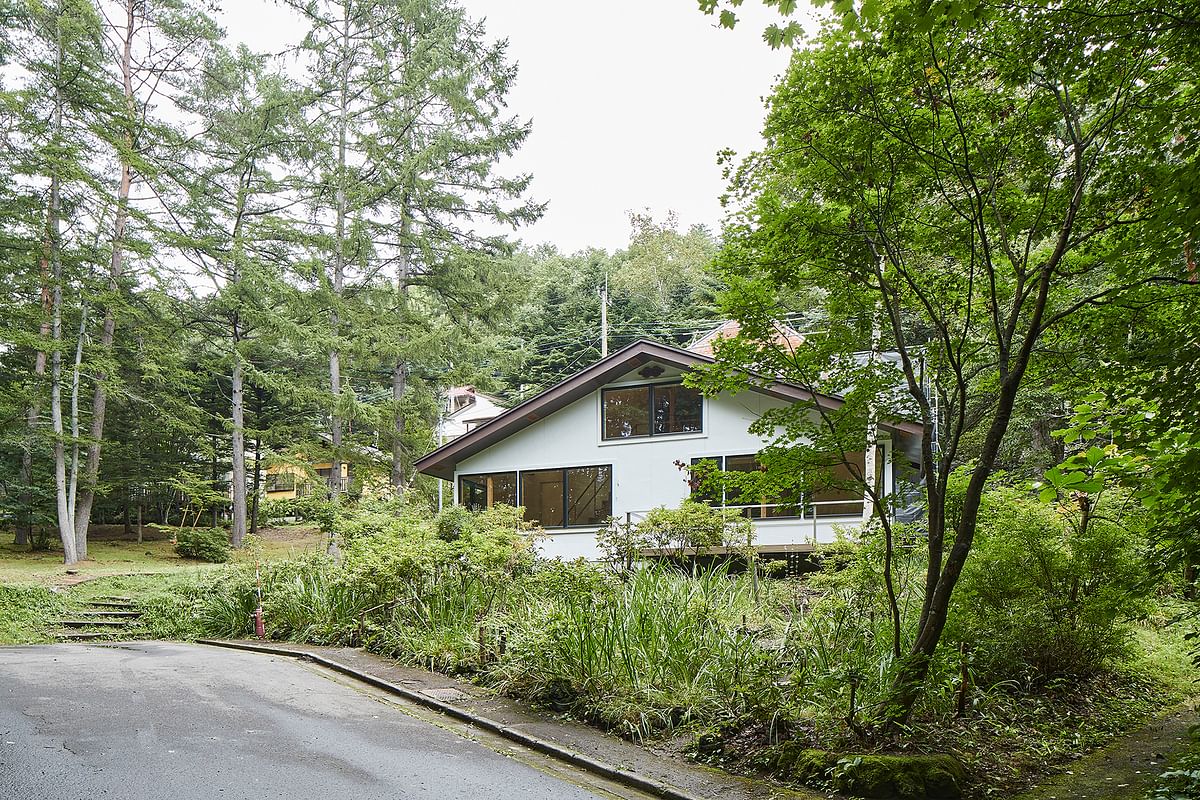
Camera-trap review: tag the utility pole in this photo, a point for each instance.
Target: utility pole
(604, 318)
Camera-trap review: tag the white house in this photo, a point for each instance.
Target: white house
(615, 439)
(467, 409)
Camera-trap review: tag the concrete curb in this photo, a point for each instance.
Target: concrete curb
(543, 746)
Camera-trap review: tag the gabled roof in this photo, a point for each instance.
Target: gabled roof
(441, 462)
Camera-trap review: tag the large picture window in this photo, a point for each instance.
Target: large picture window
(842, 497)
(542, 495)
(589, 495)
(553, 498)
(752, 505)
(654, 410)
(482, 491)
(839, 498)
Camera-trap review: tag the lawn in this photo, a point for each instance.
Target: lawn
(110, 553)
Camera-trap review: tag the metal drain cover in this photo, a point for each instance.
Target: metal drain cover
(447, 695)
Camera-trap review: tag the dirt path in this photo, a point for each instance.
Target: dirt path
(1128, 767)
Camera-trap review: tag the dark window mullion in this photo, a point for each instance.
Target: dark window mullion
(566, 499)
(650, 410)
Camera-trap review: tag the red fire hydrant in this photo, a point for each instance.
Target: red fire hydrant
(259, 630)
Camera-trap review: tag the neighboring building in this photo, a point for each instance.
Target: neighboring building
(283, 481)
(788, 338)
(288, 481)
(609, 441)
(467, 409)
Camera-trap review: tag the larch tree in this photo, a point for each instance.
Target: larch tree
(234, 227)
(409, 99)
(148, 47)
(67, 106)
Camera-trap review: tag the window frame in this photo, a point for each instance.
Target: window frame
(650, 389)
(464, 476)
(272, 482)
(563, 472)
(763, 514)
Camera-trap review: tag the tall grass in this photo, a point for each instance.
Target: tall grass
(657, 650)
(435, 621)
(26, 612)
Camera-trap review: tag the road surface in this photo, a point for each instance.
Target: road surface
(158, 721)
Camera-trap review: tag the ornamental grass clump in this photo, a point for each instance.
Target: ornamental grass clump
(656, 650)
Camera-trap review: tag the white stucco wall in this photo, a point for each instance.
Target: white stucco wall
(645, 474)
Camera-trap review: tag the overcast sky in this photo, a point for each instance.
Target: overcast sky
(630, 101)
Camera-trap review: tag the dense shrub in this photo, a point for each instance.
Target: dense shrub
(204, 544)
(317, 509)
(697, 525)
(274, 511)
(1044, 596)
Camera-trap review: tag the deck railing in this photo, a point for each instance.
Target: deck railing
(812, 512)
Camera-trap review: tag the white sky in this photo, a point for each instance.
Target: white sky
(630, 101)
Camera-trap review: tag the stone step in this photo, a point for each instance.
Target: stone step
(115, 597)
(89, 623)
(111, 604)
(110, 614)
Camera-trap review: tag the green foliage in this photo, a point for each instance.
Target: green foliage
(695, 525)
(659, 288)
(316, 508)
(1142, 437)
(26, 612)
(204, 544)
(621, 542)
(271, 512)
(938, 777)
(986, 270)
(453, 522)
(658, 650)
(1182, 780)
(1047, 597)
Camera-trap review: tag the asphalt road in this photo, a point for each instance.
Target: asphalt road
(173, 722)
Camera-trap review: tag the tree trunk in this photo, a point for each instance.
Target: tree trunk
(66, 528)
(87, 496)
(909, 680)
(216, 519)
(870, 453)
(399, 382)
(339, 266)
(238, 533)
(53, 247)
(24, 531)
(73, 483)
(400, 371)
(257, 477)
